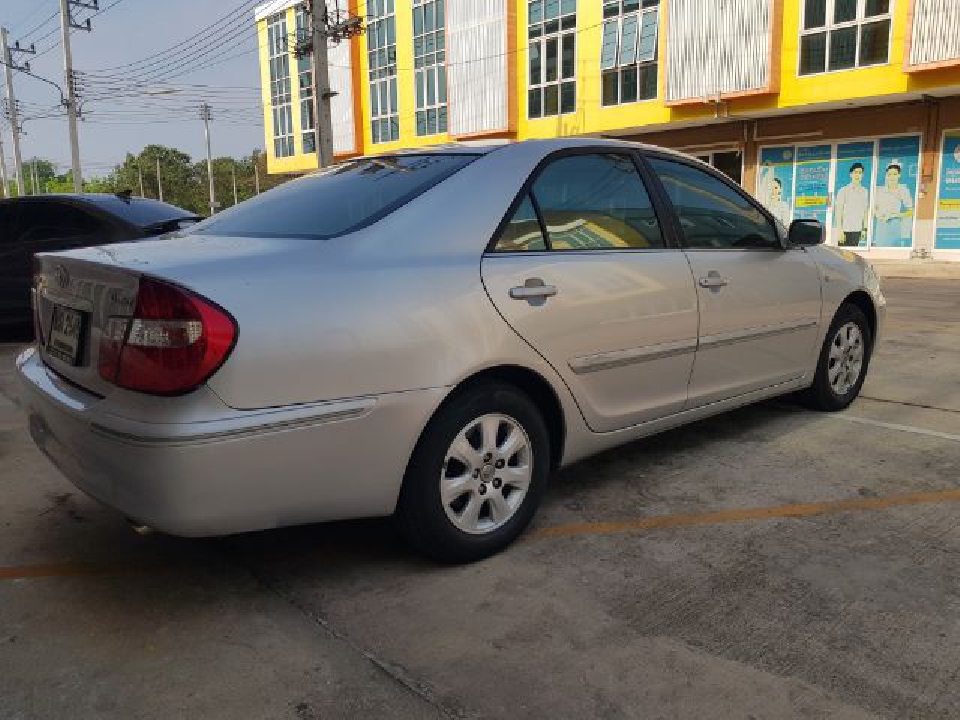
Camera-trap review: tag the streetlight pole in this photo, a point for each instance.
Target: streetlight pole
(7, 57)
(206, 116)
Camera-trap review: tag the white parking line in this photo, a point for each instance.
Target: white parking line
(894, 426)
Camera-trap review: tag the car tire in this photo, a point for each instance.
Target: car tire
(486, 515)
(843, 362)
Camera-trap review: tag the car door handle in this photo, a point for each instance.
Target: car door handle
(532, 289)
(713, 280)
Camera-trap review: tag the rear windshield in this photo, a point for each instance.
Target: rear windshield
(336, 201)
(143, 213)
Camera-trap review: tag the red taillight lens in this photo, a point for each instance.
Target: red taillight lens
(172, 344)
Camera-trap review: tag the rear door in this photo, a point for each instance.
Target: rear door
(759, 302)
(585, 273)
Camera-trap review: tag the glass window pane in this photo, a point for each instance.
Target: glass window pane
(551, 100)
(630, 6)
(648, 81)
(431, 88)
(418, 21)
(568, 44)
(443, 119)
(596, 202)
(442, 84)
(535, 11)
(844, 10)
(712, 214)
(420, 89)
(523, 232)
(394, 106)
(428, 18)
(877, 7)
(813, 53)
(568, 22)
(611, 81)
(874, 43)
(550, 70)
(648, 36)
(814, 14)
(628, 40)
(534, 106)
(628, 84)
(421, 123)
(536, 76)
(431, 122)
(439, 6)
(611, 9)
(843, 48)
(568, 6)
(568, 97)
(551, 26)
(608, 51)
(551, 9)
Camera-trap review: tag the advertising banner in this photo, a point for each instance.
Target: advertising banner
(851, 207)
(895, 193)
(775, 182)
(813, 183)
(948, 205)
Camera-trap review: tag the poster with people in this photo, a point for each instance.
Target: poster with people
(948, 204)
(851, 206)
(896, 191)
(813, 183)
(775, 182)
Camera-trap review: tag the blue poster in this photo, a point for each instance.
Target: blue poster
(851, 206)
(896, 191)
(813, 183)
(775, 182)
(948, 207)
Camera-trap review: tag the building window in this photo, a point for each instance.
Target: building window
(429, 55)
(279, 54)
(844, 34)
(305, 82)
(628, 55)
(382, 60)
(552, 46)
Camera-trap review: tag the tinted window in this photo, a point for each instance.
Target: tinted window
(336, 201)
(595, 202)
(523, 231)
(54, 221)
(712, 214)
(7, 217)
(142, 213)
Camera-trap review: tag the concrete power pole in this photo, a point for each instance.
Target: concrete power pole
(3, 171)
(324, 31)
(207, 116)
(159, 182)
(140, 173)
(233, 172)
(256, 173)
(7, 57)
(66, 24)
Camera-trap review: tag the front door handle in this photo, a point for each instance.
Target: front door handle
(533, 290)
(713, 280)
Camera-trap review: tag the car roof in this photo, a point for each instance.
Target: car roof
(546, 145)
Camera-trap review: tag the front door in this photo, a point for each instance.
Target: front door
(583, 273)
(759, 304)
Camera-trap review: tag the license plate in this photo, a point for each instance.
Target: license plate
(65, 334)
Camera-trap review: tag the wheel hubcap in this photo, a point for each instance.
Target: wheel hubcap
(486, 473)
(846, 358)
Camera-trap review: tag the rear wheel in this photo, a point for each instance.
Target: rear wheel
(476, 475)
(843, 362)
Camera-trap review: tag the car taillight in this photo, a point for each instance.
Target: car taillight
(172, 344)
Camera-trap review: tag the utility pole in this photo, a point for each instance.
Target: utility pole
(256, 172)
(159, 182)
(36, 178)
(324, 31)
(8, 65)
(140, 173)
(66, 24)
(3, 170)
(233, 172)
(207, 116)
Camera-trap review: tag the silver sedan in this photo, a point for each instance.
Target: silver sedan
(430, 335)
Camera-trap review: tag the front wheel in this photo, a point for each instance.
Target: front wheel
(843, 362)
(476, 476)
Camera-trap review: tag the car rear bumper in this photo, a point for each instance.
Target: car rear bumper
(245, 470)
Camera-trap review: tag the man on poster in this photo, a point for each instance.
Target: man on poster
(893, 204)
(853, 206)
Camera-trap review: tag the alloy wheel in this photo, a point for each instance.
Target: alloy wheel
(845, 359)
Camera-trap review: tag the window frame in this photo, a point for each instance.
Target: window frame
(380, 14)
(438, 69)
(619, 68)
(647, 155)
(829, 27)
(281, 90)
(651, 185)
(305, 83)
(540, 42)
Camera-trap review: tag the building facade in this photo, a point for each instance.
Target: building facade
(843, 110)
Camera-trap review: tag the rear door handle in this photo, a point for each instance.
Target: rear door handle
(713, 280)
(533, 289)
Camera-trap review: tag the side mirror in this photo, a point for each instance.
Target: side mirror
(806, 232)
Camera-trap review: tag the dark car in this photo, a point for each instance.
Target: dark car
(45, 223)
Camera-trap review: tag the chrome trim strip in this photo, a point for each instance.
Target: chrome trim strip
(348, 410)
(767, 331)
(619, 358)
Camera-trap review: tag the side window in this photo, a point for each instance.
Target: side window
(712, 214)
(7, 217)
(55, 221)
(523, 232)
(596, 202)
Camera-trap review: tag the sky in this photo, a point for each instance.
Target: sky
(120, 117)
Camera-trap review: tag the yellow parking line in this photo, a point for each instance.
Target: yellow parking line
(735, 516)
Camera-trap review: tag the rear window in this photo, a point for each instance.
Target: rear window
(143, 213)
(336, 201)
